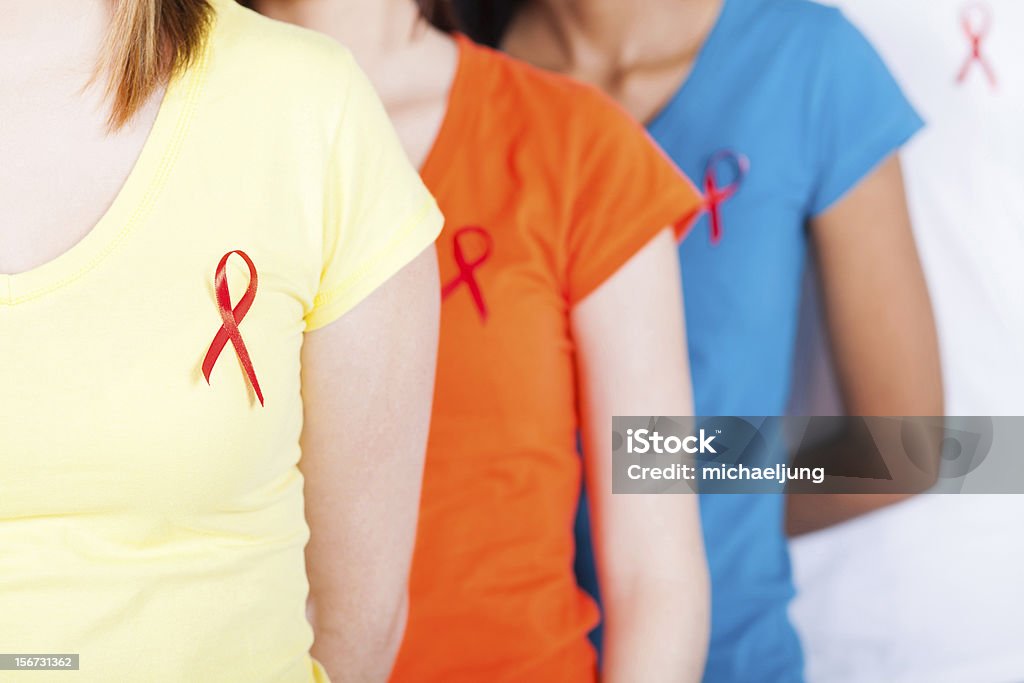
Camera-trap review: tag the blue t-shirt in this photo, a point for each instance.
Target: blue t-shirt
(791, 93)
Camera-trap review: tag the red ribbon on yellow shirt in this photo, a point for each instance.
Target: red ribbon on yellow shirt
(231, 318)
(976, 32)
(715, 195)
(467, 267)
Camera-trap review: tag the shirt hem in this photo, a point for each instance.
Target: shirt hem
(421, 229)
(667, 215)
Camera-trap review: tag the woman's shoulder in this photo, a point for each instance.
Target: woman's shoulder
(806, 12)
(814, 43)
(814, 23)
(514, 80)
(254, 55)
(555, 109)
(246, 29)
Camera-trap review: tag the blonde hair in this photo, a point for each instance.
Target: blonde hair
(148, 42)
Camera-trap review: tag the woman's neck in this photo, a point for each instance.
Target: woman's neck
(615, 35)
(411, 64)
(382, 34)
(62, 38)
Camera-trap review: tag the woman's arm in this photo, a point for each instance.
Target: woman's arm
(880, 324)
(650, 555)
(367, 385)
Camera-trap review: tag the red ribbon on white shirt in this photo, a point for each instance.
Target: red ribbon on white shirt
(232, 317)
(976, 20)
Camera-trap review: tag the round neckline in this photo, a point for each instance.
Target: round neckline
(131, 203)
(705, 54)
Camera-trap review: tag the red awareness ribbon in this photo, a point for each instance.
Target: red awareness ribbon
(714, 195)
(976, 32)
(232, 318)
(468, 267)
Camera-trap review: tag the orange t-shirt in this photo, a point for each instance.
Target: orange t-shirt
(548, 188)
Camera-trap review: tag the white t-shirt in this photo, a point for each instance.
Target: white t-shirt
(932, 590)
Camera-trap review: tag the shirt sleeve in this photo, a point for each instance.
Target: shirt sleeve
(627, 191)
(860, 114)
(378, 215)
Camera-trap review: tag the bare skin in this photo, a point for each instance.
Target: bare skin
(651, 563)
(373, 366)
(887, 356)
(54, 133)
(637, 52)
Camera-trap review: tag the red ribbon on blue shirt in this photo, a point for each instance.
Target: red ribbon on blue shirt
(715, 195)
(976, 32)
(231, 318)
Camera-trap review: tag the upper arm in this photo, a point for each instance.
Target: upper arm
(876, 301)
(632, 359)
(884, 346)
(368, 361)
(624, 290)
(367, 385)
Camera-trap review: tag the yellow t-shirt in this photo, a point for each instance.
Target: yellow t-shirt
(149, 521)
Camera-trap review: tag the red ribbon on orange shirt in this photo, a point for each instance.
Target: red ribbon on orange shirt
(714, 195)
(232, 318)
(976, 32)
(468, 267)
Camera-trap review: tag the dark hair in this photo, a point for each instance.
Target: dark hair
(485, 21)
(440, 13)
